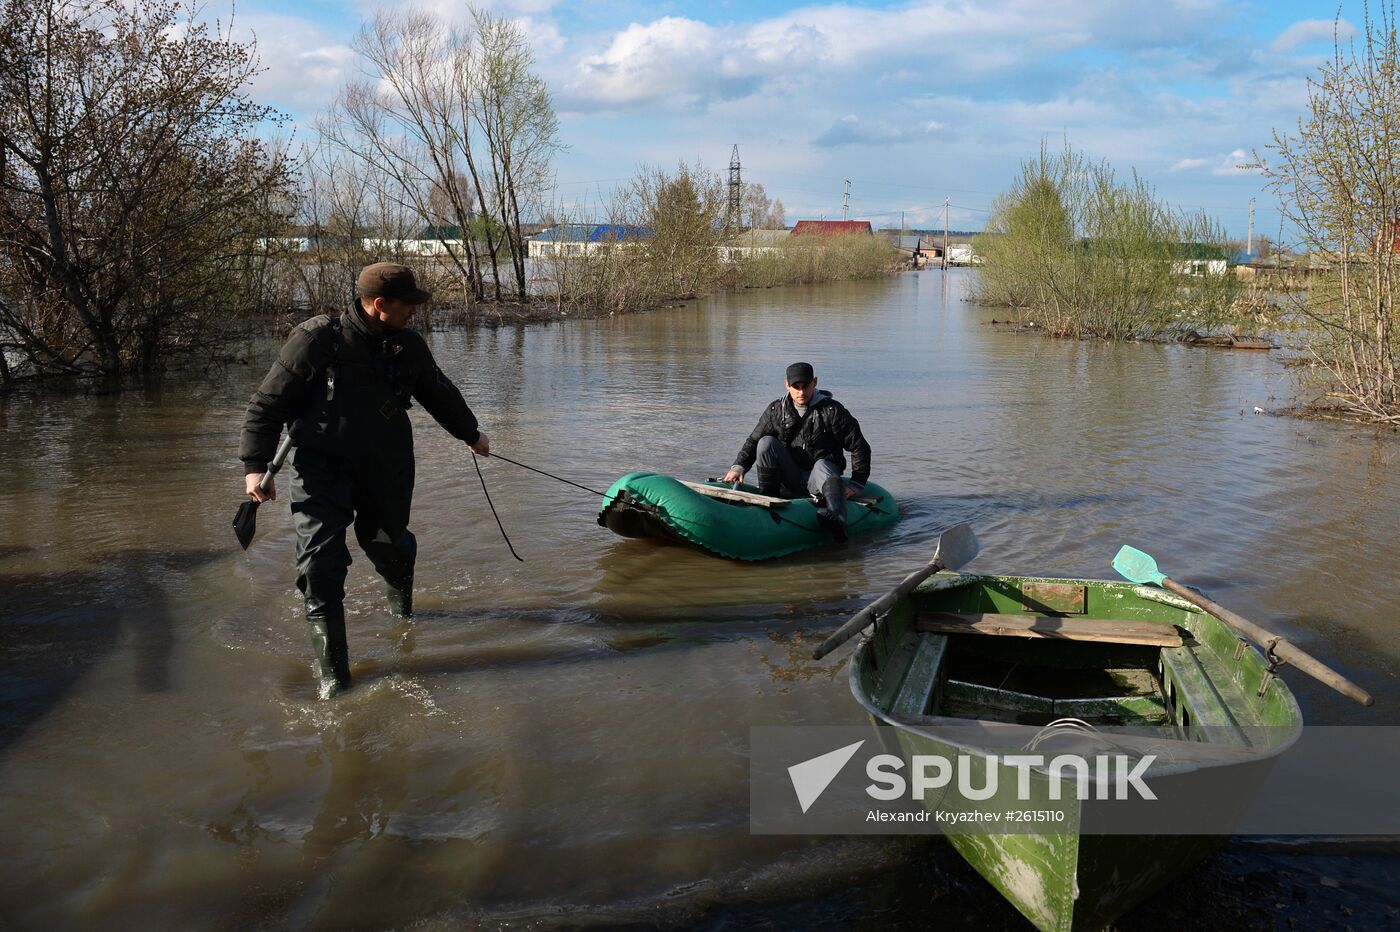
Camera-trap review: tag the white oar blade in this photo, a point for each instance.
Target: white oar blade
(957, 547)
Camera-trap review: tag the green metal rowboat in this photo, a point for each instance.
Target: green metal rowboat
(735, 523)
(1032, 653)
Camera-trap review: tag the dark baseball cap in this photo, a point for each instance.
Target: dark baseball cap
(800, 372)
(391, 280)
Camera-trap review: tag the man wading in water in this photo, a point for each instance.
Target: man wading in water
(347, 382)
(798, 446)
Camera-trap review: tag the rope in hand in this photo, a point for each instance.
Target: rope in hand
(493, 507)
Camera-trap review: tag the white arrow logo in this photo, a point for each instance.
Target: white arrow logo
(811, 777)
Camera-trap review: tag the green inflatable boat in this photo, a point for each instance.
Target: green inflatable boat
(736, 523)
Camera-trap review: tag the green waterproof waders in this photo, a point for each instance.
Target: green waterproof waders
(329, 494)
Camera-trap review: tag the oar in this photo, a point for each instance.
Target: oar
(245, 523)
(956, 547)
(1138, 567)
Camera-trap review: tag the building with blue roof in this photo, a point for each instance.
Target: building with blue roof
(577, 239)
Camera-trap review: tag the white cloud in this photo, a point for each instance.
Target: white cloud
(1237, 162)
(676, 60)
(685, 62)
(543, 35)
(304, 66)
(1188, 164)
(1308, 31)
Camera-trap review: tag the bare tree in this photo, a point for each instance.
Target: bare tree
(132, 187)
(408, 121)
(513, 108)
(1339, 181)
(759, 212)
(440, 209)
(460, 126)
(755, 207)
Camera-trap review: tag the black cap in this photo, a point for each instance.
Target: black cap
(391, 280)
(800, 372)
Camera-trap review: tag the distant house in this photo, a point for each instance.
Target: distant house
(751, 243)
(299, 239)
(1198, 259)
(619, 232)
(830, 228)
(1245, 264)
(1393, 234)
(561, 240)
(441, 240)
(962, 254)
(577, 239)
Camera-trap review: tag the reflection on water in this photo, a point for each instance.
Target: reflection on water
(563, 741)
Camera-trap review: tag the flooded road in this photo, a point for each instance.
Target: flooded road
(562, 742)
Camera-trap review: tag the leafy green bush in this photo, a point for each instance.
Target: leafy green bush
(1080, 253)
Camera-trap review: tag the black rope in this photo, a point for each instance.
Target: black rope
(550, 475)
(493, 507)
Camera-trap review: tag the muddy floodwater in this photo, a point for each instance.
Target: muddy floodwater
(562, 742)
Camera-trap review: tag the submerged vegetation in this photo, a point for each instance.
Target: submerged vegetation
(132, 184)
(1338, 178)
(1074, 250)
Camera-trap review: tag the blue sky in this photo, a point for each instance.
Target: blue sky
(911, 101)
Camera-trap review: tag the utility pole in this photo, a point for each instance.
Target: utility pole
(1249, 243)
(945, 232)
(734, 215)
(846, 200)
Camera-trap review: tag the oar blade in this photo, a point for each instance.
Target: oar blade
(245, 523)
(1135, 566)
(957, 547)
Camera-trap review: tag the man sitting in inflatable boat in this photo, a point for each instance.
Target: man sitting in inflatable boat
(798, 446)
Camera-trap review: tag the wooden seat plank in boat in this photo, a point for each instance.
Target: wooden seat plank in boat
(1045, 626)
(754, 498)
(736, 495)
(917, 690)
(1191, 687)
(977, 700)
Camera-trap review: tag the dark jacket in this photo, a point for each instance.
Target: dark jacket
(824, 433)
(350, 380)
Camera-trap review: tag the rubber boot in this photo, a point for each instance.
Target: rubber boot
(332, 653)
(400, 596)
(833, 516)
(770, 482)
